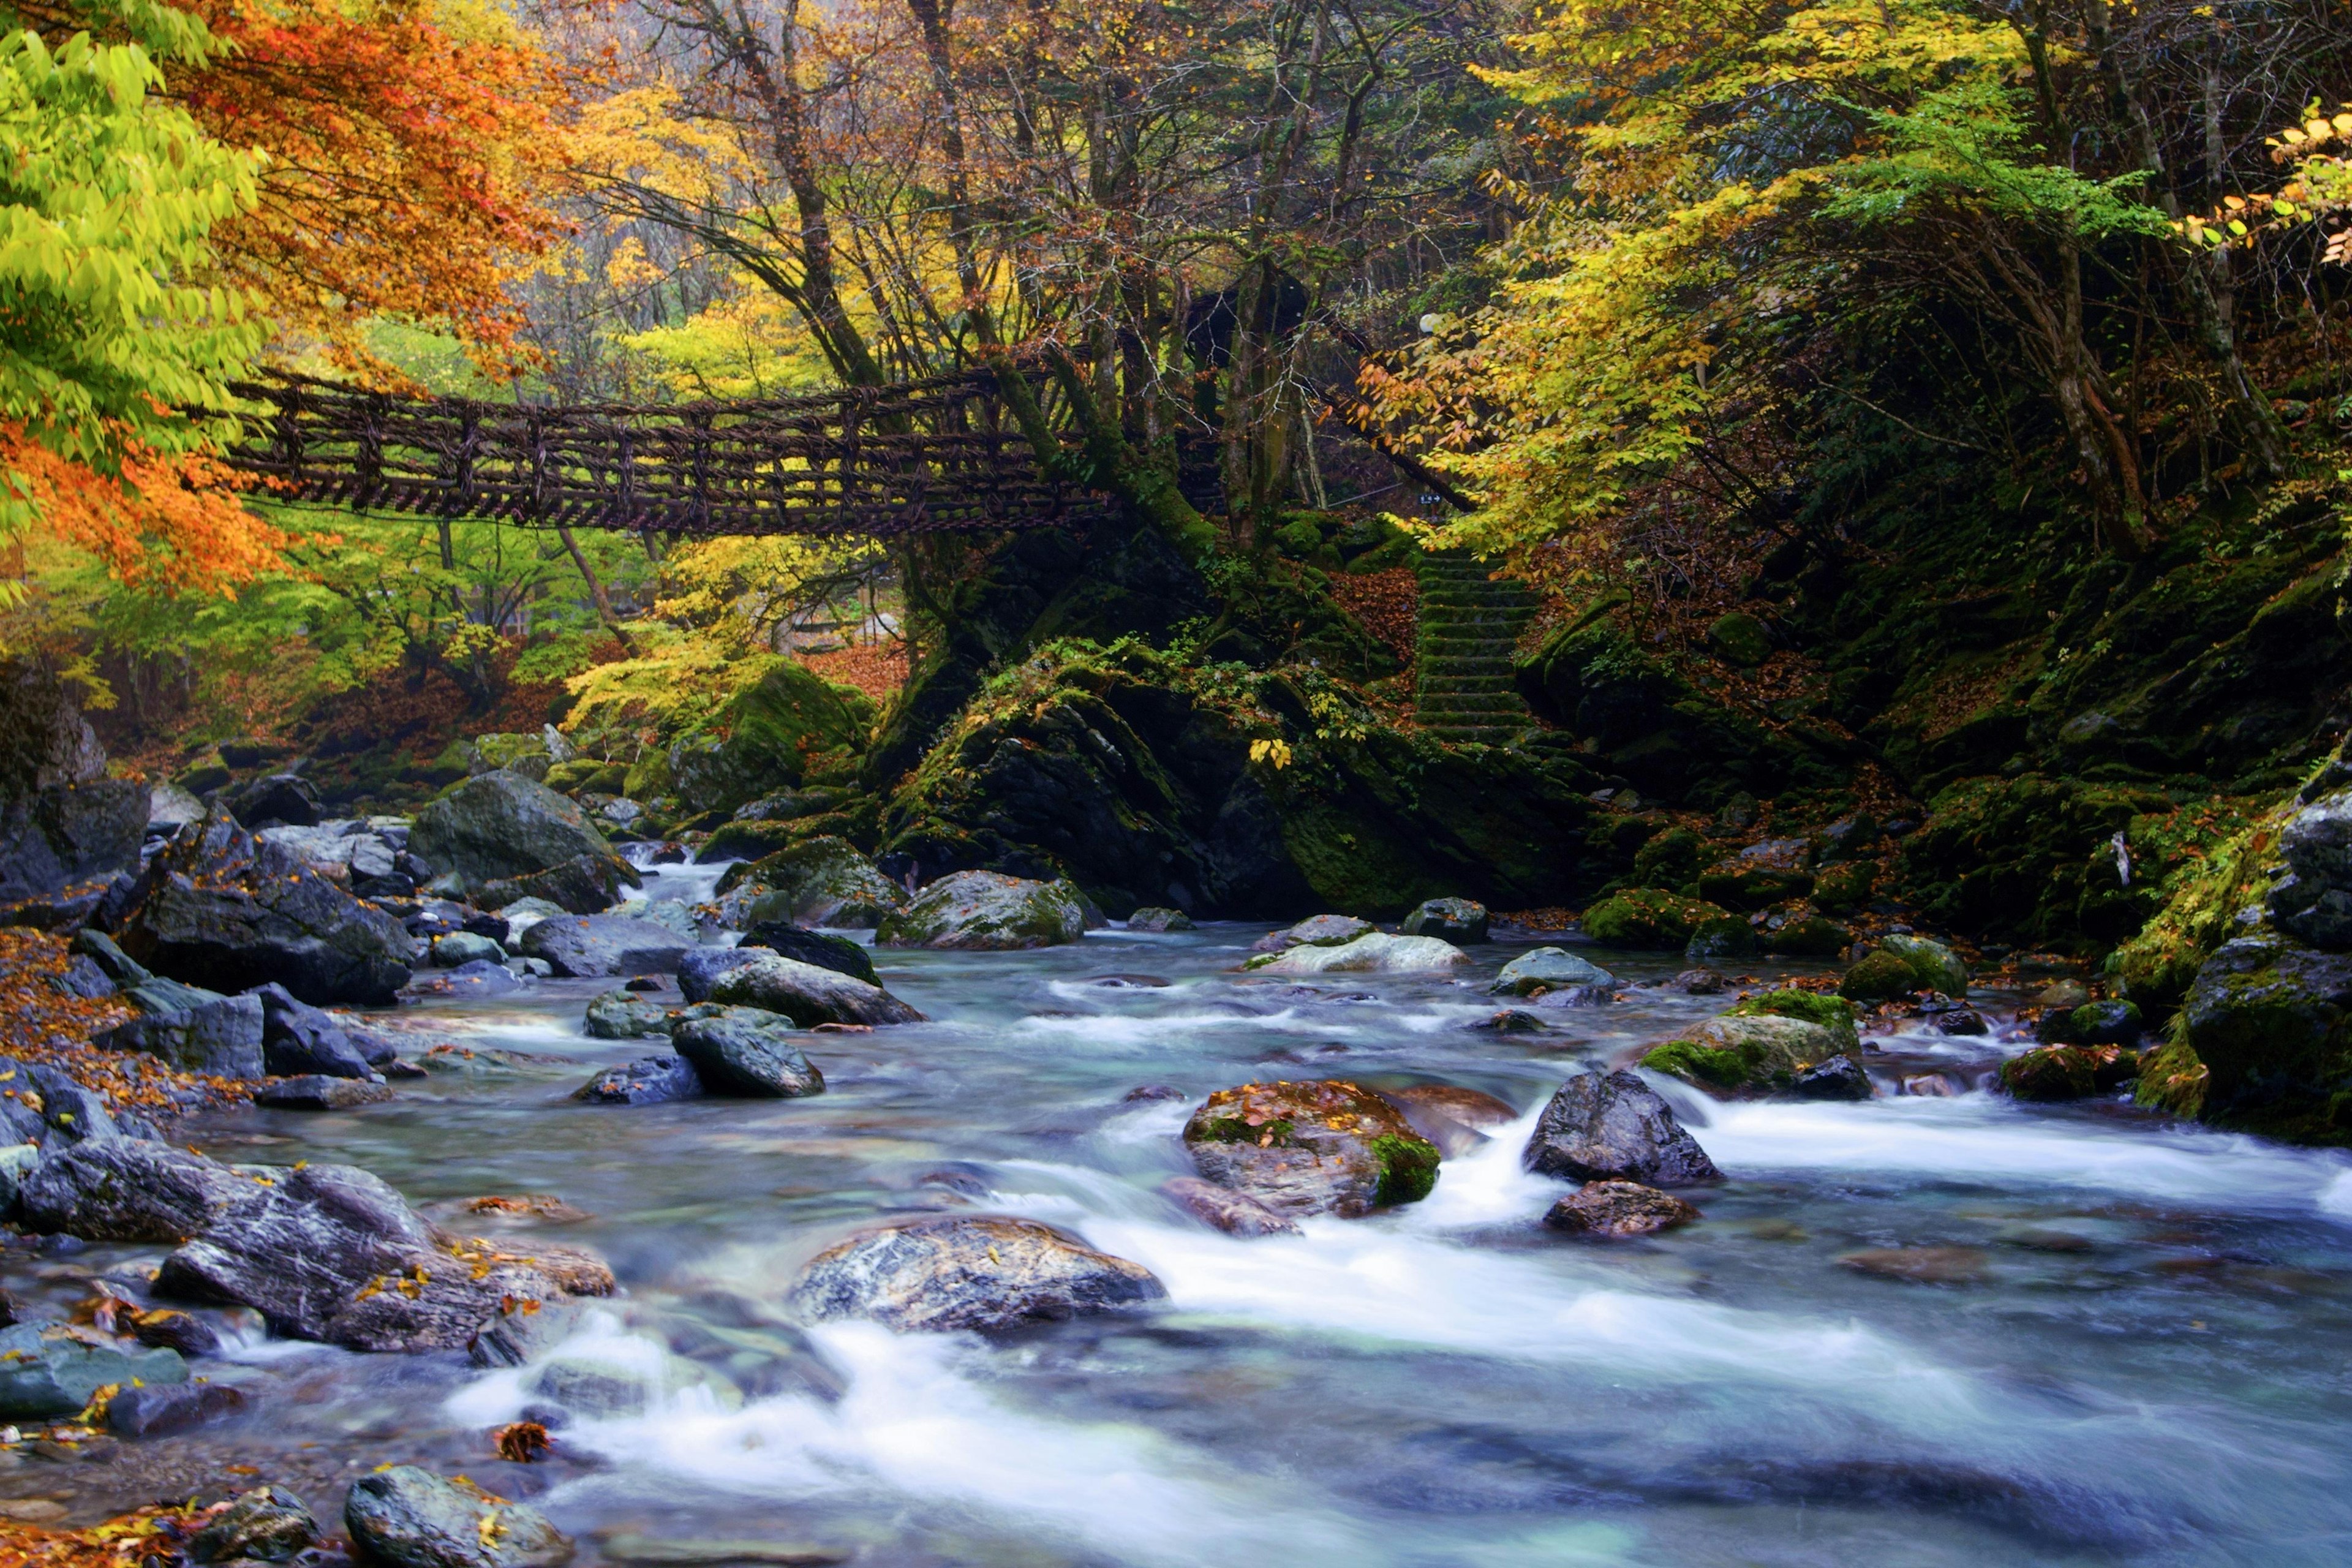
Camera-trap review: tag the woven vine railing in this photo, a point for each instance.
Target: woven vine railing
(914, 457)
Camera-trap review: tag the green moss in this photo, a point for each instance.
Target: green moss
(1879, 977)
(1408, 1168)
(1834, 1014)
(1670, 859)
(2172, 1078)
(1841, 889)
(1811, 937)
(2200, 898)
(1740, 638)
(1649, 917)
(1273, 1134)
(2050, 1073)
(1704, 1064)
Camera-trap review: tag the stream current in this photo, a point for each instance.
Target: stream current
(2144, 1361)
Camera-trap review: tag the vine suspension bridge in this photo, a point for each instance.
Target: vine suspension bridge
(917, 456)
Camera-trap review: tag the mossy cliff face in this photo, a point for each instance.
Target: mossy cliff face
(1227, 792)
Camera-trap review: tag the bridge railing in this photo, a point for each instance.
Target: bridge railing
(917, 456)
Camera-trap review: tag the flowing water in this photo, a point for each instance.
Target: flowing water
(2148, 1365)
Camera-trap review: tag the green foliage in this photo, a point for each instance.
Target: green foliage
(1408, 1168)
(1718, 1065)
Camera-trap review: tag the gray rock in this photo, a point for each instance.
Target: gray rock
(298, 1039)
(1315, 931)
(1834, 1077)
(119, 966)
(461, 947)
(16, 1162)
(220, 908)
(66, 834)
(73, 1113)
(1548, 969)
(276, 797)
(623, 1015)
(409, 1517)
(1317, 1146)
(581, 886)
(1612, 1127)
(1376, 953)
(129, 1190)
(649, 1080)
(314, 1091)
(1152, 917)
(592, 945)
(1937, 967)
(522, 1331)
(330, 1252)
(699, 968)
(169, 806)
(1236, 1213)
(480, 978)
(809, 996)
(988, 911)
(1618, 1209)
(221, 1037)
(503, 825)
(160, 1409)
(265, 1525)
(738, 1055)
(1455, 920)
(968, 1272)
(46, 1371)
(837, 954)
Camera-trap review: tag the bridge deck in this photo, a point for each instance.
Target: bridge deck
(917, 457)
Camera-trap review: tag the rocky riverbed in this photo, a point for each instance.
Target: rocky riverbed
(969, 1302)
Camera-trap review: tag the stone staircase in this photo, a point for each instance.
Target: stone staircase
(1469, 628)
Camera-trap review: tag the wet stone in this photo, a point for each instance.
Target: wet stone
(1614, 1127)
(1236, 1213)
(1618, 1209)
(315, 1091)
(968, 1272)
(409, 1517)
(1922, 1265)
(266, 1525)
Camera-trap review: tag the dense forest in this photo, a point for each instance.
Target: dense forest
(1837, 503)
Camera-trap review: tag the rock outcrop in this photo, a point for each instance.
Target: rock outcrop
(500, 825)
(62, 820)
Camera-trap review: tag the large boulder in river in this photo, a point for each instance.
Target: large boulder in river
(835, 952)
(597, 946)
(821, 881)
(582, 885)
(1320, 1146)
(1455, 920)
(968, 1272)
(1375, 954)
(1315, 931)
(1735, 1055)
(404, 1517)
(809, 996)
(219, 908)
(1612, 1127)
(988, 911)
(503, 825)
(133, 1190)
(298, 1040)
(62, 820)
(748, 1053)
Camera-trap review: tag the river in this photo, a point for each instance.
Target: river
(2145, 1361)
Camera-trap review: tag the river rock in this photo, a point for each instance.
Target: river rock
(462, 947)
(221, 1037)
(408, 1518)
(1158, 920)
(968, 1272)
(1315, 931)
(1936, 966)
(1318, 1146)
(503, 825)
(594, 945)
(809, 996)
(1922, 1265)
(1455, 920)
(285, 798)
(330, 1252)
(583, 885)
(621, 1015)
(266, 1525)
(72, 1110)
(736, 1055)
(128, 1190)
(161, 1409)
(1737, 1054)
(1548, 969)
(2067, 1072)
(1469, 1107)
(169, 806)
(298, 1039)
(16, 1162)
(62, 820)
(1832, 1078)
(220, 909)
(1375, 954)
(988, 911)
(46, 1371)
(699, 968)
(648, 1080)
(1612, 1127)
(837, 954)
(1879, 977)
(1618, 1208)
(1223, 1208)
(316, 1091)
(1726, 941)
(821, 882)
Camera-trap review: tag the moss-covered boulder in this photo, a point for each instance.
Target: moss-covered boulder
(1309, 1148)
(987, 912)
(1812, 936)
(1842, 888)
(1936, 966)
(1834, 1014)
(1726, 941)
(587, 775)
(1739, 638)
(2269, 1025)
(1378, 953)
(2067, 1072)
(817, 881)
(1761, 875)
(526, 754)
(1455, 920)
(1649, 917)
(1747, 1054)
(1879, 976)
